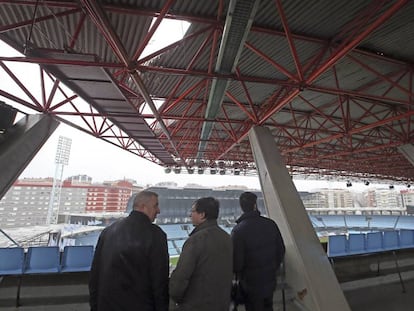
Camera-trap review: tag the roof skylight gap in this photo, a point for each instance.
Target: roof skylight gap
(169, 31)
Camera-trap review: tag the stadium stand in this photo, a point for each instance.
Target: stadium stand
(316, 221)
(226, 228)
(382, 221)
(180, 243)
(353, 249)
(405, 222)
(175, 231)
(371, 242)
(334, 221)
(172, 249)
(356, 221)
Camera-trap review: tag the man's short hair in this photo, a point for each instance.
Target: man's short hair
(247, 201)
(209, 206)
(143, 197)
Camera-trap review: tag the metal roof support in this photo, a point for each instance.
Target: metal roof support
(351, 43)
(20, 144)
(306, 261)
(101, 21)
(240, 16)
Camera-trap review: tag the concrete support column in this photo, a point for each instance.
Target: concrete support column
(20, 144)
(308, 270)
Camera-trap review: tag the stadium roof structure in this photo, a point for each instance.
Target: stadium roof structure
(332, 80)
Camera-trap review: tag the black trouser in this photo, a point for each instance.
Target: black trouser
(259, 304)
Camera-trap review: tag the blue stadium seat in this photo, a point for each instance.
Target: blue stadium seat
(180, 243)
(11, 261)
(317, 223)
(405, 222)
(383, 221)
(390, 240)
(77, 258)
(337, 246)
(336, 221)
(356, 221)
(374, 242)
(171, 249)
(42, 259)
(406, 238)
(356, 243)
(174, 231)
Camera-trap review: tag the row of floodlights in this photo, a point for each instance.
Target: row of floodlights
(366, 183)
(201, 170)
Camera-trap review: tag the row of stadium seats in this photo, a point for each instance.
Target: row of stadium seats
(362, 221)
(176, 231)
(45, 259)
(371, 242)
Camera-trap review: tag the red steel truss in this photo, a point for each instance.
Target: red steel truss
(334, 106)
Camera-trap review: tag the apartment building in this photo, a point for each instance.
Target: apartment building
(28, 200)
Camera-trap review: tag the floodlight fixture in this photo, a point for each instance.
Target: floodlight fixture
(167, 170)
(408, 185)
(236, 172)
(213, 170)
(63, 150)
(223, 172)
(200, 170)
(367, 183)
(177, 169)
(348, 184)
(190, 170)
(391, 186)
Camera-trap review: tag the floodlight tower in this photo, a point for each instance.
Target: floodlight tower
(61, 159)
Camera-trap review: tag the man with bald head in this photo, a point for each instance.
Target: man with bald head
(131, 263)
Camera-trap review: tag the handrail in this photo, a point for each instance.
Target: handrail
(10, 238)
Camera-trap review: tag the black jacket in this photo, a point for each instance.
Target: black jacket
(258, 250)
(130, 267)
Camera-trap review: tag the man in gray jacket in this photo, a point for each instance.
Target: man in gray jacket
(202, 279)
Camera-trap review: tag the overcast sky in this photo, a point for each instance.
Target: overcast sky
(103, 161)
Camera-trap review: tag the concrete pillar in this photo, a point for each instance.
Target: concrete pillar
(20, 143)
(308, 270)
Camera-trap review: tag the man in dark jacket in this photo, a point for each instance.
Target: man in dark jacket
(202, 279)
(258, 250)
(131, 263)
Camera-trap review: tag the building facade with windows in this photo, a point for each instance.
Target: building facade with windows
(27, 202)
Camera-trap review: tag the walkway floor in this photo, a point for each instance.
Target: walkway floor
(374, 294)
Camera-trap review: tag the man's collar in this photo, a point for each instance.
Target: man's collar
(205, 224)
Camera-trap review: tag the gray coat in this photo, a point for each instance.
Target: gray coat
(202, 279)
